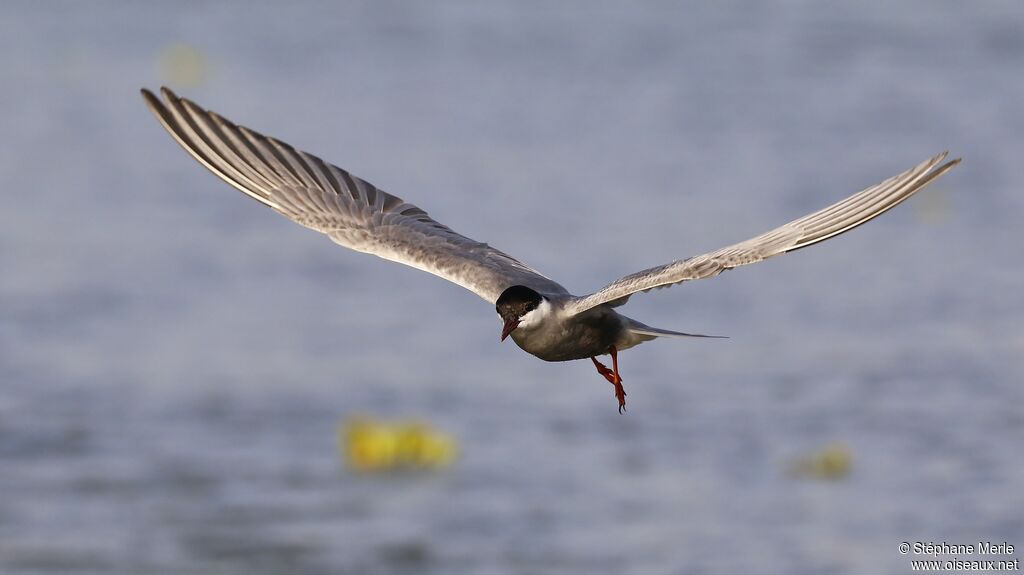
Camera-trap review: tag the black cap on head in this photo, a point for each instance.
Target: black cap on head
(513, 304)
(516, 301)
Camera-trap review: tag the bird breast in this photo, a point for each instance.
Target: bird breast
(567, 338)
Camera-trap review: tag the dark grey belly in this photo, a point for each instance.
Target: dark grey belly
(581, 338)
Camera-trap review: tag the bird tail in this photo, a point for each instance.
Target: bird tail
(653, 332)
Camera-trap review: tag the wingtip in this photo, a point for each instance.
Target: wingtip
(937, 168)
(164, 91)
(944, 155)
(946, 167)
(155, 101)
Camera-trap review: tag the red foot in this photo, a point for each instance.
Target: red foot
(613, 377)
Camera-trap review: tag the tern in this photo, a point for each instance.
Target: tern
(540, 315)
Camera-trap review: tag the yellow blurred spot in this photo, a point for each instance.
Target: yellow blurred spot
(832, 462)
(183, 66)
(371, 446)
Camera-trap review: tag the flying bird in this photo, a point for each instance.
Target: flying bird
(540, 315)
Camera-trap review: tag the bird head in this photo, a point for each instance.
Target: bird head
(516, 306)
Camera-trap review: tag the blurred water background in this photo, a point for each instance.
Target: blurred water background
(175, 359)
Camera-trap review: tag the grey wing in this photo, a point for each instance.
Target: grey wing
(351, 211)
(808, 230)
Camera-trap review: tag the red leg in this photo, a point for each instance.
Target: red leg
(612, 375)
(603, 370)
(620, 393)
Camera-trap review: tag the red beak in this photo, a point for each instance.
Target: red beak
(510, 326)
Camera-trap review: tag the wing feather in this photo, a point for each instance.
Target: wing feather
(810, 229)
(352, 212)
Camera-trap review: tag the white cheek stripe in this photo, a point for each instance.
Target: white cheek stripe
(535, 316)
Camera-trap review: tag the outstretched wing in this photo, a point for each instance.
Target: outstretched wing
(810, 229)
(351, 211)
